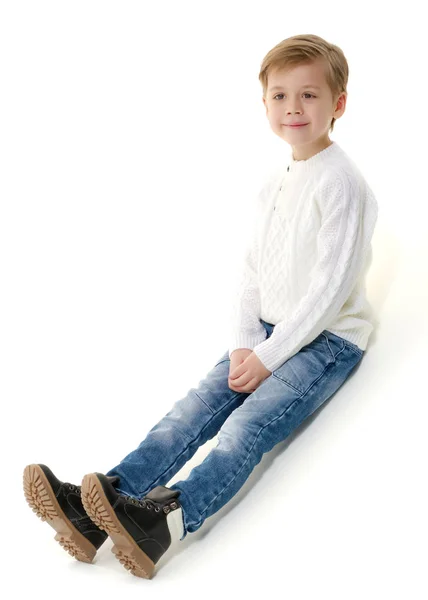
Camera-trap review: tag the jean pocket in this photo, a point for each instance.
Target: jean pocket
(305, 367)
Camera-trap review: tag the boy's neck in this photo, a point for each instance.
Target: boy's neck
(307, 151)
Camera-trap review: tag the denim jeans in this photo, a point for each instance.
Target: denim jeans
(248, 424)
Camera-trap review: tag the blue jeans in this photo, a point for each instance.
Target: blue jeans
(248, 424)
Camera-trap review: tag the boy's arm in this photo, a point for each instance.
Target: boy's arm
(343, 242)
(246, 328)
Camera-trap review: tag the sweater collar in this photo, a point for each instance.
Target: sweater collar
(315, 161)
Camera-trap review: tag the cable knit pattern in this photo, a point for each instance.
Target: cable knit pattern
(305, 267)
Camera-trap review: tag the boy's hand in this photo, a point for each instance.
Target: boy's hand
(237, 357)
(248, 375)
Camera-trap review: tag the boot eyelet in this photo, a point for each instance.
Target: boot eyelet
(157, 509)
(166, 509)
(173, 505)
(143, 504)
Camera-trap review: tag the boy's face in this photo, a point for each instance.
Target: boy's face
(296, 102)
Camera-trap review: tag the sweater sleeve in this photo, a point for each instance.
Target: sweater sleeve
(342, 242)
(246, 328)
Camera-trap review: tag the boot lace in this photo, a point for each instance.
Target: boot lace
(143, 503)
(73, 488)
(149, 504)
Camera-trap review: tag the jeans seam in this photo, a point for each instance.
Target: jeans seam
(203, 401)
(255, 440)
(357, 352)
(287, 383)
(213, 415)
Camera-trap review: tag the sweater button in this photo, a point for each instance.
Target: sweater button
(288, 168)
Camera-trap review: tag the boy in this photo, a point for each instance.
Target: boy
(300, 327)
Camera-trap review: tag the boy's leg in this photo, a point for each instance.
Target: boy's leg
(277, 407)
(192, 421)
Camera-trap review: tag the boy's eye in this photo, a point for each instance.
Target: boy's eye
(305, 94)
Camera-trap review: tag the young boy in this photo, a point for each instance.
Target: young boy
(300, 326)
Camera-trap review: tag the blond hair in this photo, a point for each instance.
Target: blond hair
(306, 49)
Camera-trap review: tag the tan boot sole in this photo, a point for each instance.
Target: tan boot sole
(41, 499)
(102, 514)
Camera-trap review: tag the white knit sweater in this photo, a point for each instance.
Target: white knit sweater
(307, 260)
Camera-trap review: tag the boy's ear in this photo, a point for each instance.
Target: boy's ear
(340, 104)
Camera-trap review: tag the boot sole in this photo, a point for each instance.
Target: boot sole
(102, 514)
(41, 498)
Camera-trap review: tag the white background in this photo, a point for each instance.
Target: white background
(133, 140)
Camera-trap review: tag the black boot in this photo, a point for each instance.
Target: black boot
(59, 504)
(140, 529)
